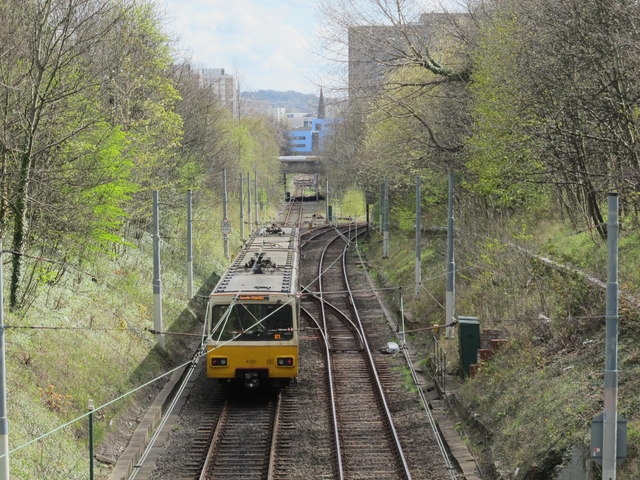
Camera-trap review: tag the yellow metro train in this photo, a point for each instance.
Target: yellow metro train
(252, 313)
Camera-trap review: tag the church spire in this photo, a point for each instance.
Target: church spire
(321, 112)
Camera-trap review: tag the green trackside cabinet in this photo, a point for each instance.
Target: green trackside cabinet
(469, 336)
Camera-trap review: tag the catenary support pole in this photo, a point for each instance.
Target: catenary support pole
(284, 184)
(418, 238)
(381, 216)
(241, 206)
(255, 191)
(225, 212)
(249, 219)
(189, 244)
(404, 335)
(157, 282)
(91, 409)
(451, 266)
(4, 422)
(326, 194)
(385, 220)
(355, 222)
(368, 216)
(610, 414)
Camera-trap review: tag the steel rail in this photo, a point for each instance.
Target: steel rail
(184, 381)
(217, 433)
(357, 330)
(425, 403)
(330, 380)
(272, 451)
(221, 439)
(374, 372)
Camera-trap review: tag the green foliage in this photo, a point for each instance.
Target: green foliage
(405, 218)
(104, 198)
(394, 142)
(407, 378)
(353, 204)
(253, 148)
(503, 154)
(529, 396)
(108, 132)
(538, 395)
(413, 126)
(102, 321)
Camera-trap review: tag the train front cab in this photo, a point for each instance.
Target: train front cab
(254, 341)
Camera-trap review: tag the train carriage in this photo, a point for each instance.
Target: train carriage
(252, 313)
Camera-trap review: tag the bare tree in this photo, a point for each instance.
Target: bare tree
(42, 77)
(405, 67)
(573, 76)
(205, 122)
(74, 118)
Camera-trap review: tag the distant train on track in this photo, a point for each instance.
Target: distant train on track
(252, 313)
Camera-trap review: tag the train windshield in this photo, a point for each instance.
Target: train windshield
(252, 322)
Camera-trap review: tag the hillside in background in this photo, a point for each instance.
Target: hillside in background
(292, 101)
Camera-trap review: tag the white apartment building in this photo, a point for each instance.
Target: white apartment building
(224, 86)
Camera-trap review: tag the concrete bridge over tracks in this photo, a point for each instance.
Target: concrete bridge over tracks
(309, 164)
(306, 171)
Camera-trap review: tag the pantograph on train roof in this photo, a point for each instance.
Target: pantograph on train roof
(265, 263)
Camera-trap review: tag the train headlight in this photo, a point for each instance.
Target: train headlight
(285, 361)
(219, 361)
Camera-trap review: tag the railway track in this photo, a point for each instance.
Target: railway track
(202, 440)
(242, 443)
(335, 423)
(246, 438)
(293, 212)
(358, 407)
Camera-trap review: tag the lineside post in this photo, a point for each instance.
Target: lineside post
(242, 206)
(189, 244)
(451, 266)
(385, 216)
(255, 186)
(157, 282)
(610, 414)
(4, 422)
(249, 219)
(418, 238)
(91, 408)
(225, 215)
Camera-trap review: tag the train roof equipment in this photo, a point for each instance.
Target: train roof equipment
(266, 264)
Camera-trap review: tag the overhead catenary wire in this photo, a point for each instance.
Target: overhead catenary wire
(309, 292)
(100, 407)
(200, 352)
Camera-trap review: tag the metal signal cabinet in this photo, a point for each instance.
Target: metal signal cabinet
(469, 342)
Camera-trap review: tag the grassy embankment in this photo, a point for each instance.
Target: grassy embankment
(538, 395)
(86, 337)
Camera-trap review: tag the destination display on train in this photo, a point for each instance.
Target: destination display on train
(253, 297)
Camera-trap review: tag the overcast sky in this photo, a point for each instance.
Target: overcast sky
(268, 44)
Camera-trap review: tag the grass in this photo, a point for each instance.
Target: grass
(84, 339)
(352, 205)
(87, 337)
(545, 387)
(538, 395)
